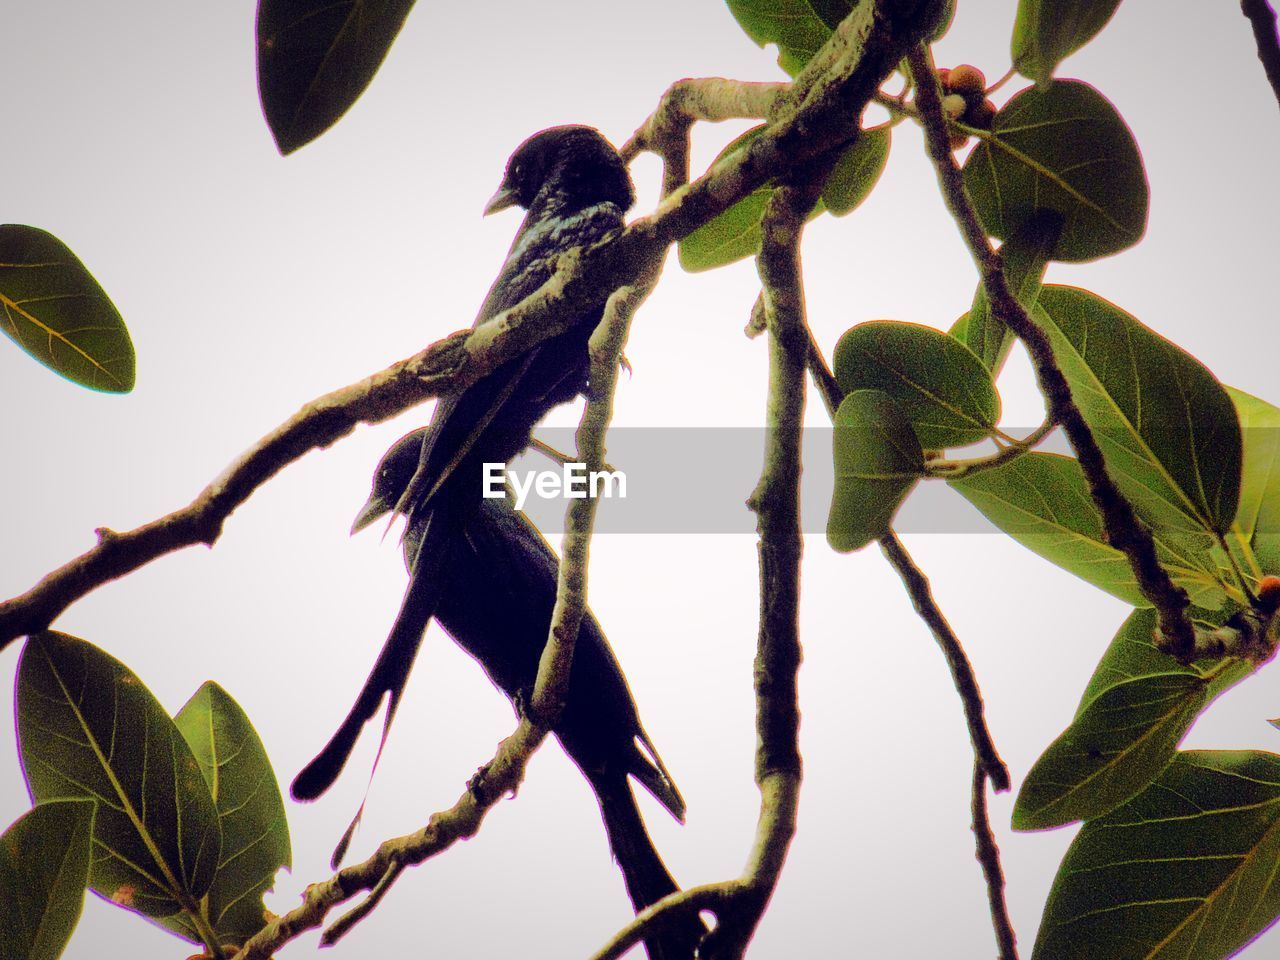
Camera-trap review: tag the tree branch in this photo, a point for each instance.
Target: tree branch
(776, 502)
(1124, 530)
(500, 776)
(739, 904)
(825, 116)
(988, 855)
(987, 762)
(917, 586)
(966, 683)
(685, 102)
(1262, 18)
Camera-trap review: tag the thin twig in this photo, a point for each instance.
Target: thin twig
(501, 776)
(917, 585)
(1262, 18)
(1123, 528)
(606, 345)
(988, 855)
(962, 675)
(987, 761)
(957, 469)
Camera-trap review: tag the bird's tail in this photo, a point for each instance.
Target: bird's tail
(653, 775)
(645, 875)
(391, 670)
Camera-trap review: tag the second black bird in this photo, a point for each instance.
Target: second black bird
(498, 590)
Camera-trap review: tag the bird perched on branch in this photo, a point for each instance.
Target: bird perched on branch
(576, 190)
(496, 600)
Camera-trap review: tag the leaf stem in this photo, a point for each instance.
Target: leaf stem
(956, 469)
(1236, 571)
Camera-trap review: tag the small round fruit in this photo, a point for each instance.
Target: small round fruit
(981, 116)
(944, 78)
(1269, 593)
(966, 78)
(954, 106)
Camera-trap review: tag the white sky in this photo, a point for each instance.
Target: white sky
(253, 283)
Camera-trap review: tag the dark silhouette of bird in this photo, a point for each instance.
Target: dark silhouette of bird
(576, 190)
(497, 593)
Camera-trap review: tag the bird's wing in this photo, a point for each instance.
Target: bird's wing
(530, 556)
(460, 420)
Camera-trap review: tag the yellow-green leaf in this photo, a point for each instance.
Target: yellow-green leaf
(51, 306)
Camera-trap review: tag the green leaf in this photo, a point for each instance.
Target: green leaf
(792, 24)
(1046, 32)
(1136, 709)
(877, 461)
(942, 387)
(1042, 500)
(1167, 428)
(1186, 869)
(1258, 516)
(831, 12)
(52, 308)
(856, 172)
(730, 237)
(255, 833)
(44, 866)
(315, 59)
(1024, 257)
(87, 727)
(1063, 149)
(735, 234)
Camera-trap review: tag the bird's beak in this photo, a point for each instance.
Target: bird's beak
(504, 198)
(373, 508)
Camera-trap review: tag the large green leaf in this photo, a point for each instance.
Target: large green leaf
(255, 833)
(942, 387)
(1258, 517)
(1046, 32)
(792, 24)
(51, 306)
(1186, 870)
(1064, 149)
(1167, 428)
(1042, 500)
(315, 58)
(856, 172)
(87, 727)
(1135, 710)
(1024, 257)
(44, 866)
(877, 461)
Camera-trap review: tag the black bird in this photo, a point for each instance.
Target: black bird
(576, 190)
(498, 591)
